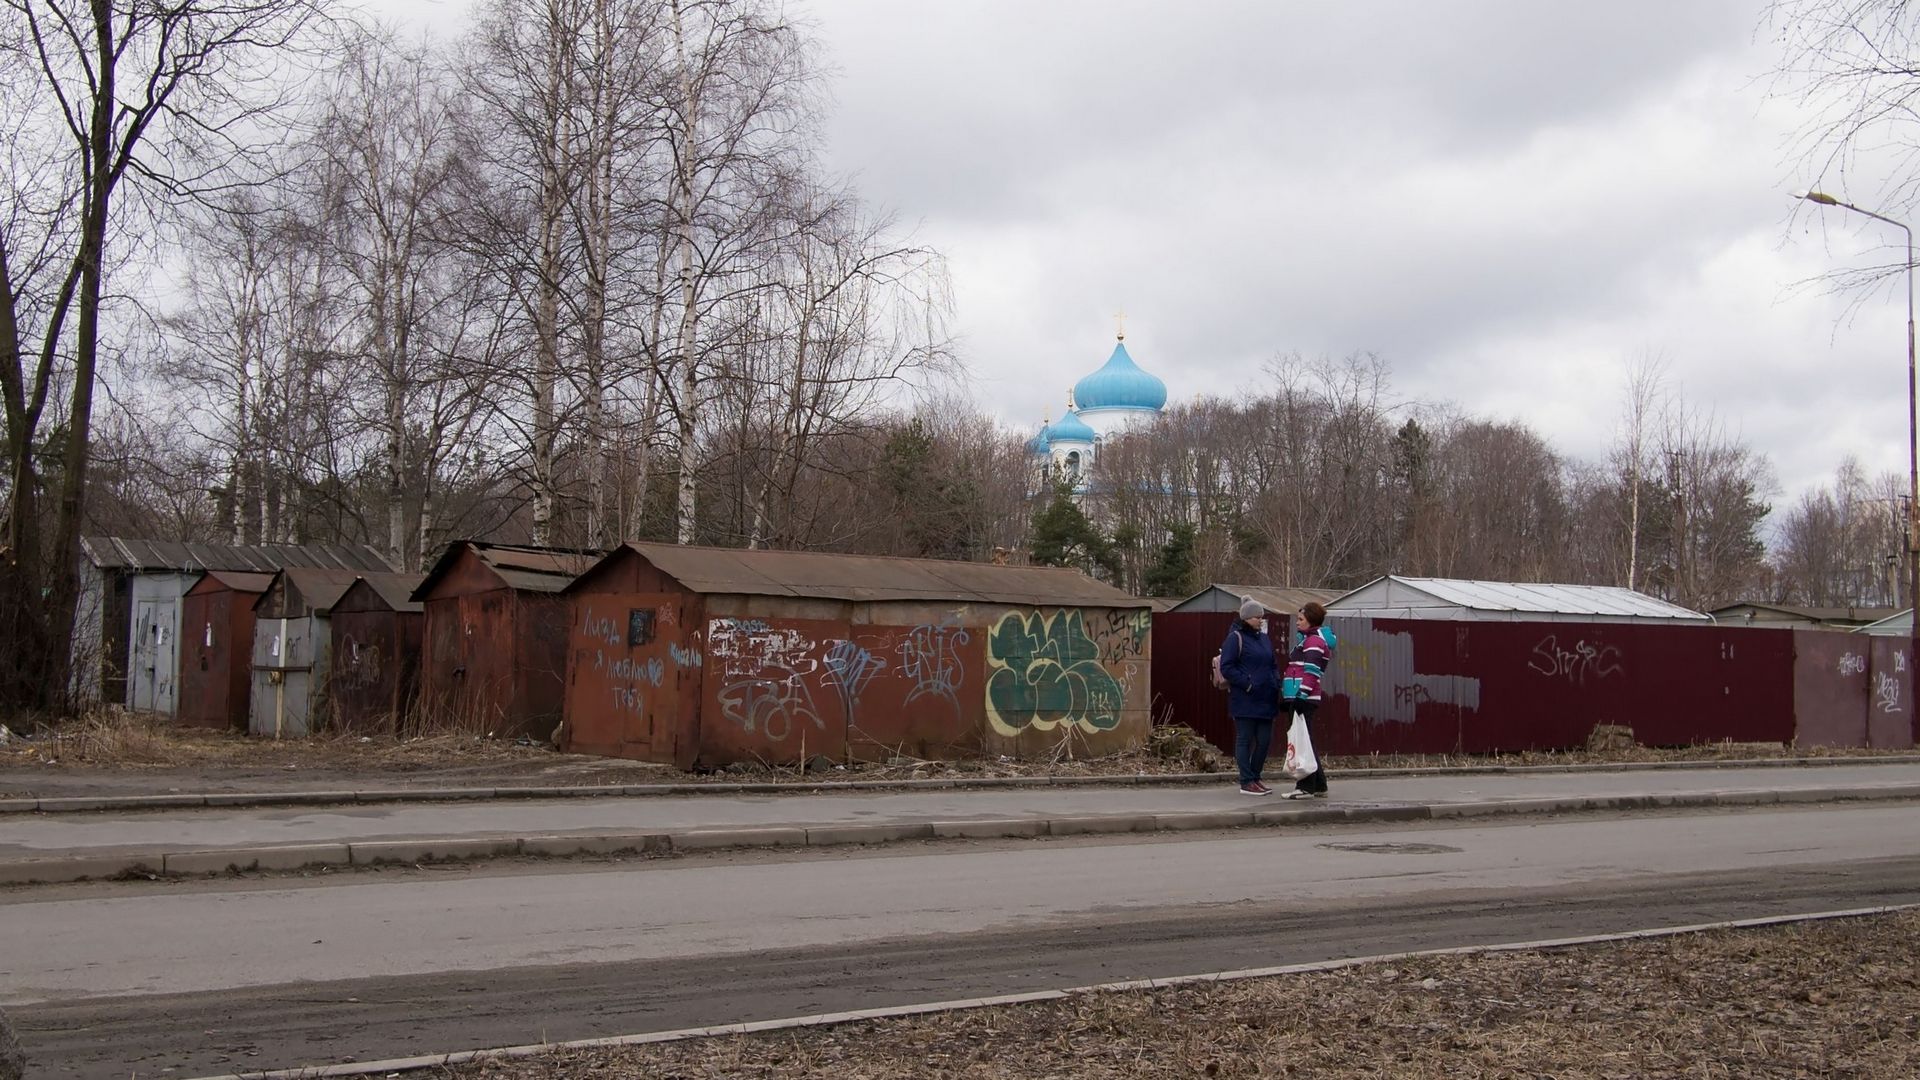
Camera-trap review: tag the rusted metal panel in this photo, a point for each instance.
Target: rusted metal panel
(768, 691)
(1890, 701)
(216, 628)
(376, 655)
(467, 671)
(540, 664)
(632, 662)
(476, 566)
(495, 654)
(1831, 681)
(846, 670)
(910, 690)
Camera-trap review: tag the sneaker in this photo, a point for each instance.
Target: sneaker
(1296, 793)
(1253, 789)
(1264, 789)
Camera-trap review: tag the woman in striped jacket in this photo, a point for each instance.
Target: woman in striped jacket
(1300, 686)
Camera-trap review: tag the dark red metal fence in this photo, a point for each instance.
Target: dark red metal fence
(1416, 686)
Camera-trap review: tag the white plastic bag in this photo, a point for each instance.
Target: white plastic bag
(1301, 762)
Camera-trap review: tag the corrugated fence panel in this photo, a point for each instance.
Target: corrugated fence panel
(1830, 685)
(1431, 686)
(1546, 687)
(1183, 647)
(1890, 699)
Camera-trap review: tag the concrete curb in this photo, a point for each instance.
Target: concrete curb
(74, 803)
(462, 1057)
(466, 848)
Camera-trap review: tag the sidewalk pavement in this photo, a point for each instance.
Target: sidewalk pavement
(70, 846)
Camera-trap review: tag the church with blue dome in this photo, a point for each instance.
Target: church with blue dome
(1119, 396)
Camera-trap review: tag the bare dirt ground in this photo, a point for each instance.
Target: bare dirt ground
(117, 753)
(1833, 999)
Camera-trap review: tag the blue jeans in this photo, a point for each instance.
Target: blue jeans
(1252, 737)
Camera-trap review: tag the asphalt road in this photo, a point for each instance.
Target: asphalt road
(208, 977)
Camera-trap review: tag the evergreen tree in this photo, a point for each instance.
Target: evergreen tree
(1062, 536)
(1172, 571)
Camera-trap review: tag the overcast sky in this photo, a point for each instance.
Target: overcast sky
(1507, 201)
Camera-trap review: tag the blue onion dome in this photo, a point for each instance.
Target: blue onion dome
(1039, 445)
(1120, 385)
(1070, 428)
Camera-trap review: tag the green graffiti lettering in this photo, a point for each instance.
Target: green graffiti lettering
(1045, 672)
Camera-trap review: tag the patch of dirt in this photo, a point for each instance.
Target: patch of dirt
(1835, 999)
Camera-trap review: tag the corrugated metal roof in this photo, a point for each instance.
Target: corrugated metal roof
(869, 578)
(1816, 614)
(239, 581)
(530, 569)
(1545, 598)
(1280, 598)
(320, 588)
(395, 589)
(125, 553)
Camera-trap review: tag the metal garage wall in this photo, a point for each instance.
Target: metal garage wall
(1435, 686)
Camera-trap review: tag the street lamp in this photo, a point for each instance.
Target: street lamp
(1913, 430)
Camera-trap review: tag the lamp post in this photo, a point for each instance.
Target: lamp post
(1913, 435)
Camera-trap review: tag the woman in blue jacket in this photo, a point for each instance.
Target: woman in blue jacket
(1253, 693)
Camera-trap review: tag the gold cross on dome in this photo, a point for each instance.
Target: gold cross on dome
(1120, 325)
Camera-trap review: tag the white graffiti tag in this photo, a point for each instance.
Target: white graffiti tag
(1576, 664)
(1886, 692)
(1853, 664)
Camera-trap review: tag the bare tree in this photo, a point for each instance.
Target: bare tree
(741, 103)
(1641, 405)
(165, 94)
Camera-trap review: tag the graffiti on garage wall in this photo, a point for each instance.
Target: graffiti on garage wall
(773, 706)
(930, 660)
(765, 673)
(1376, 671)
(629, 681)
(1576, 662)
(1045, 672)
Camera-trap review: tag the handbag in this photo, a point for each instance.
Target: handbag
(1301, 761)
(1217, 677)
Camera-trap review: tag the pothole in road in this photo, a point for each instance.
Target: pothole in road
(1393, 849)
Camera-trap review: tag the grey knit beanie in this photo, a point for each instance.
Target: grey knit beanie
(1250, 609)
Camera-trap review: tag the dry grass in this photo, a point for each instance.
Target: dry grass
(118, 740)
(1835, 999)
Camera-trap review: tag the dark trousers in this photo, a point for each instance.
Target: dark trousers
(1252, 738)
(1315, 781)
